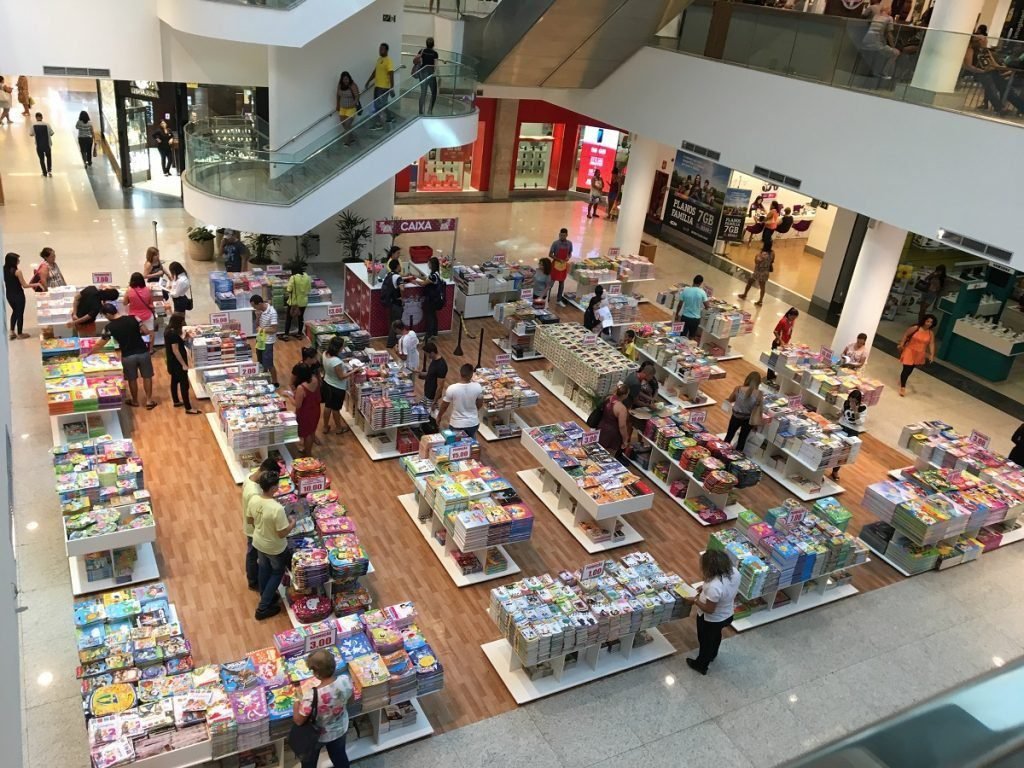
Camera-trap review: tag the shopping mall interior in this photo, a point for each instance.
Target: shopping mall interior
(530, 560)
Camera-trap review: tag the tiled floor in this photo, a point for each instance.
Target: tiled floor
(774, 693)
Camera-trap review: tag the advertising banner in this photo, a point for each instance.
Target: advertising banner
(734, 214)
(696, 195)
(597, 152)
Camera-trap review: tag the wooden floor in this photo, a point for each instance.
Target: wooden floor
(201, 546)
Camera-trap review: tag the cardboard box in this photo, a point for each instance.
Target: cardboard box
(648, 250)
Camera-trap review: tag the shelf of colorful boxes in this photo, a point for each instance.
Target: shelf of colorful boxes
(109, 529)
(620, 272)
(584, 369)
(680, 364)
(478, 286)
(231, 291)
(216, 353)
(466, 512)
(319, 334)
(520, 319)
(697, 469)
(82, 376)
(387, 411)
(796, 447)
(958, 501)
(584, 487)
(793, 559)
(720, 323)
(505, 393)
(566, 630)
(250, 419)
(391, 666)
(328, 559)
(818, 382)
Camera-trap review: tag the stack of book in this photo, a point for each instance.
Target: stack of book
(596, 367)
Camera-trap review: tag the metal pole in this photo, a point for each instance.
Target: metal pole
(480, 349)
(458, 344)
(156, 241)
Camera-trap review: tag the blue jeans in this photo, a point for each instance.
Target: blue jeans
(271, 569)
(252, 575)
(470, 431)
(335, 751)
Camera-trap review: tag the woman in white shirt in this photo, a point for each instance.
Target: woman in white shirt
(714, 605)
(180, 288)
(856, 354)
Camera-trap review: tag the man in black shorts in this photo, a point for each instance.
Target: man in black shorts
(135, 357)
(433, 378)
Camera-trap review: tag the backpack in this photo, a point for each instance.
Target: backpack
(589, 319)
(388, 290)
(435, 294)
(594, 419)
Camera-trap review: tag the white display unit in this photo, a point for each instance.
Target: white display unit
(238, 472)
(799, 602)
(694, 488)
(379, 445)
(570, 504)
(505, 346)
(757, 449)
(555, 382)
(689, 386)
(881, 556)
(111, 418)
(472, 305)
(412, 503)
(589, 288)
(145, 570)
(196, 377)
(592, 663)
(723, 342)
(502, 416)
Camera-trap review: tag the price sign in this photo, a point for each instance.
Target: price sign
(589, 438)
(311, 484)
(590, 338)
(977, 438)
(379, 358)
(794, 401)
(526, 294)
(219, 318)
(336, 310)
(698, 417)
(825, 354)
(274, 269)
(323, 638)
(613, 253)
(615, 289)
(499, 258)
(502, 359)
(678, 327)
(248, 369)
(102, 278)
(592, 570)
(461, 452)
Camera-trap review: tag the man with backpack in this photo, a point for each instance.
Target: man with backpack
(391, 293)
(433, 296)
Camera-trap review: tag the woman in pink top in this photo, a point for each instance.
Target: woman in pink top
(138, 302)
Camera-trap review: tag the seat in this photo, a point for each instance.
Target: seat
(802, 226)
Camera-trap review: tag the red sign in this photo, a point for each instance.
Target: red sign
(403, 226)
(594, 157)
(218, 318)
(461, 453)
(379, 358)
(248, 369)
(102, 278)
(336, 310)
(678, 327)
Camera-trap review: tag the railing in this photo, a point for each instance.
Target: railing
(276, 5)
(894, 61)
(457, 8)
(229, 157)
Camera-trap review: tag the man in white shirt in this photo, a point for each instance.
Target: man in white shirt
(266, 325)
(466, 398)
(408, 346)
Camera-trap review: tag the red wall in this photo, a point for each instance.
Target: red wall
(481, 174)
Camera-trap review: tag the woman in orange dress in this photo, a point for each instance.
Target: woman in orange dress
(917, 347)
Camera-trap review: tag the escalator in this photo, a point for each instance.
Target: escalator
(563, 43)
(235, 179)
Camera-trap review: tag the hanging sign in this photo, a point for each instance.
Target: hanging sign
(734, 215)
(219, 318)
(336, 310)
(102, 278)
(402, 226)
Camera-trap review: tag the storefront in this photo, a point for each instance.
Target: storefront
(602, 149)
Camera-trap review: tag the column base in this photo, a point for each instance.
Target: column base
(953, 100)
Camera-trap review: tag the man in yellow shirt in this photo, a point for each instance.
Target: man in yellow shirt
(270, 529)
(383, 79)
(296, 295)
(250, 489)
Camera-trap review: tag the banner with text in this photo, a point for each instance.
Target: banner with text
(734, 214)
(696, 195)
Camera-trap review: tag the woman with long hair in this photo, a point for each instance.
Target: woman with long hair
(348, 103)
(747, 402)
(14, 288)
(180, 287)
(85, 137)
(163, 139)
(138, 302)
(307, 404)
(177, 362)
(613, 429)
(153, 269)
(714, 605)
(335, 386)
(542, 280)
(916, 348)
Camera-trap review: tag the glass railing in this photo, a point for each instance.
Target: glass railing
(276, 5)
(456, 8)
(967, 73)
(978, 724)
(229, 157)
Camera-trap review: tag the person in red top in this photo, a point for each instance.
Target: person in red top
(560, 254)
(783, 334)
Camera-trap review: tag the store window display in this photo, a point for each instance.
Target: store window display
(445, 170)
(534, 167)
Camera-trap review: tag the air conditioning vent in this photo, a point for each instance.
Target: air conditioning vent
(697, 149)
(974, 246)
(76, 72)
(776, 177)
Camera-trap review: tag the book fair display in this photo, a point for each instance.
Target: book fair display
(387, 410)
(680, 363)
(505, 393)
(82, 374)
(521, 319)
(479, 286)
(720, 323)
(819, 383)
(614, 272)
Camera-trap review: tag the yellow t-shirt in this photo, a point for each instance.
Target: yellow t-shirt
(268, 518)
(630, 351)
(249, 490)
(380, 72)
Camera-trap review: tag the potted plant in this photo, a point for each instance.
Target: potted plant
(262, 247)
(200, 244)
(353, 232)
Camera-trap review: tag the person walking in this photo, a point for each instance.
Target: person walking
(932, 288)
(270, 529)
(181, 288)
(307, 404)
(747, 402)
(783, 334)
(433, 377)
(596, 192)
(86, 137)
(335, 385)
(43, 135)
(5, 101)
(425, 71)
(135, 357)
(613, 429)
(715, 604)
(24, 98)
(764, 263)
(48, 275)
(138, 302)
(163, 138)
(152, 269)
(266, 335)
(542, 280)
(391, 295)
(250, 490)
(177, 362)
(383, 79)
(14, 288)
(327, 703)
(296, 294)
(693, 300)
(560, 255)
(234, 252)
(916, 348)
(614, 190)
(408, 347)
(466, 397)
(347, 103)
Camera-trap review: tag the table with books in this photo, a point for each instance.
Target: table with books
(561, 631)
(231, 292)
(521, 319)
(84, 386)
(479, 286)
(618, 274)
(505, 394)
(585, 488)
(720, 323)
(811, 377)
(680, 364)
(387, 410)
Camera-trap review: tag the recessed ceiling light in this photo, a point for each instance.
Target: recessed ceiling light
(670, 680)
(998, 661)
(32, 526)
(793, 698)
(45, 678)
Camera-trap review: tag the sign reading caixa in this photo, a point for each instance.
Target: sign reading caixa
(402, 226)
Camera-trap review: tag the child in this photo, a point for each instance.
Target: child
(629, 345)
(852, 419)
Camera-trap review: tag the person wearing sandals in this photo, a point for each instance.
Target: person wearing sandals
(138, 302)
(177, 362)
(135, 357)
(335, 387)
(14, 287)
(763, 264)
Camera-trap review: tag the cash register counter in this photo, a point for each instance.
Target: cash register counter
(363, 304)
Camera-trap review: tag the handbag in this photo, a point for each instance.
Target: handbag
(305, 738)
(594, 419)
(922, 285)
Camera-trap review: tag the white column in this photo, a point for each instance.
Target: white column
(994, 17)
(835, 253)
(869, 287)
(636, 192)
(945, 43)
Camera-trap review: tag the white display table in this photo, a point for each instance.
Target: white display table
(110, 417)
(557, 383)
(758, 448)
(145, 570)
(379, 445)
(238, 472)
(689, 386)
